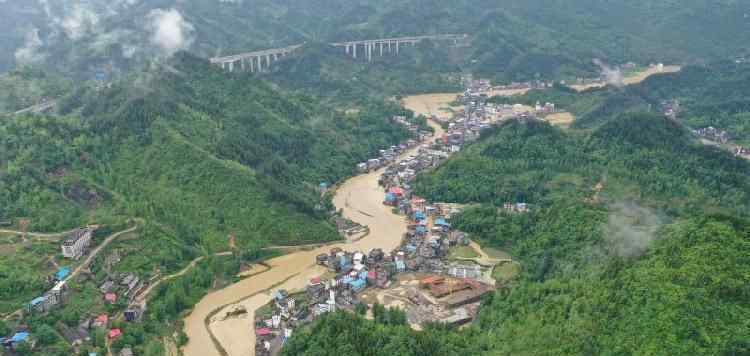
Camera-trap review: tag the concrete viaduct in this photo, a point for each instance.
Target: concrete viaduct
(260, 60)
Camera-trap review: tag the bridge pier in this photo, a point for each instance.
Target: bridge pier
(245, 60)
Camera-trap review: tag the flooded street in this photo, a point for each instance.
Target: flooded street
(360, 198)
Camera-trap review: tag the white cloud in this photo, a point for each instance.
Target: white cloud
(80, 21)
(30, 52)
(169, 31)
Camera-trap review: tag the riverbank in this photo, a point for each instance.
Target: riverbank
(360, 199)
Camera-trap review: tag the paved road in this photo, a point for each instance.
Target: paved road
(98, 249)
(85, 262)
(143, 297)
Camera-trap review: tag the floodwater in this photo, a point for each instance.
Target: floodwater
(563, 119)
(360, 198)
(634, 78)
(438, 105)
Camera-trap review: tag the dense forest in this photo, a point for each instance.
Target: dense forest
(638, 236)
(510, 39)
(686, 295)
(716, 94)
(196, 155)
(630, 224)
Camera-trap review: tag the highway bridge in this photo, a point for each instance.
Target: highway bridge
(259, 61)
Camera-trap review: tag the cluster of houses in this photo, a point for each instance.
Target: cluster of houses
(389, 155)
(717, 135)
(121, 286)
(118, 287)
(54, 296)
(742, 152)
(713, 134)
(452, 290)
(74, 246)
(532, 85)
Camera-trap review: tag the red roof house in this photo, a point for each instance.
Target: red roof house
(101, 321)
(111, 298)
(114, 333)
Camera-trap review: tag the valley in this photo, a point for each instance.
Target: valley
(366, 178)
(360, 199)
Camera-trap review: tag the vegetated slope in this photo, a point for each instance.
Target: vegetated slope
(193, 140)
(640, 263)
(511, 39)
(637, 156)
(716, 95)
(198, 153)
(322, 71)
(28, 87)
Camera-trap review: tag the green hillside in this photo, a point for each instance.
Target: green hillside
(715, 94)
(196, 153)
(510, 40)
(624, 239)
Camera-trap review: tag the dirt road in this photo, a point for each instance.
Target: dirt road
(360, 199)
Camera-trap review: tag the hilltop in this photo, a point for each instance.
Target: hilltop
(515, 40)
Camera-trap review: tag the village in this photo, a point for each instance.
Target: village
(119, 290)
(419, 277)
(712, 134)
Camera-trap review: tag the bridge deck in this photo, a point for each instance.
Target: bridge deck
(277, 51)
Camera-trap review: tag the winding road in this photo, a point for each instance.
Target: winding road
(360, 199)
(85, 262)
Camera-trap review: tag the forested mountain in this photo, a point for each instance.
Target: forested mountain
(510, 39)
(197, 153)
(629, 246)
(715, 94)
(637, 239)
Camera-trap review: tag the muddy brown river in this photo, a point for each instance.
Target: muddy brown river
(360, 198)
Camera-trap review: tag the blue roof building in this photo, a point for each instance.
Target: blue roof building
(62, 273)
(38, 300)
(19, 336)
(357, 284)
(441, 222)
(419, 215)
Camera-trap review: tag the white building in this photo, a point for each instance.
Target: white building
(77, 243)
